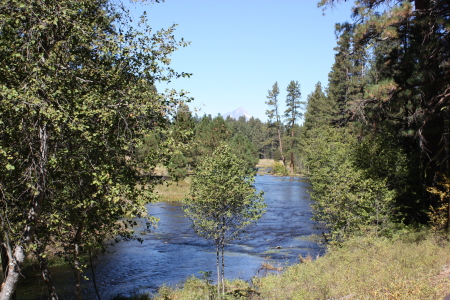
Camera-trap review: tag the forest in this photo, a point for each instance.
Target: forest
(83, 128)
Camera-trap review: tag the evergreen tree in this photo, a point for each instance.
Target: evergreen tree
(406, 92)
(274, 122)
(182, 134)
(319, 109)
(259, 136)
(346, 79)
(209, 134)
(293, 113)
(244, 150)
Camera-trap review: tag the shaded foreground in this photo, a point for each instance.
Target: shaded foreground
(407, 266)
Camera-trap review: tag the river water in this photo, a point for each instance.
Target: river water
(172, 252)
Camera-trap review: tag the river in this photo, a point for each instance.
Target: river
(172, 252)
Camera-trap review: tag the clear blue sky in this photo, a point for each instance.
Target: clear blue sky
(239, 48)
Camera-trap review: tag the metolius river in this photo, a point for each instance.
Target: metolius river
(172, 252)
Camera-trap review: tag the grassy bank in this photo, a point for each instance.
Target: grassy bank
(173, 191)
(407, 266)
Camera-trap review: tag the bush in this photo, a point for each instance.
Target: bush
(279, 169)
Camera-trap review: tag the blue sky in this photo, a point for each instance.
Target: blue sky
(240, 48)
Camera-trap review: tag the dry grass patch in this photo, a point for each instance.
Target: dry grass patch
(173, 191)
(367, 268)
(265, 163)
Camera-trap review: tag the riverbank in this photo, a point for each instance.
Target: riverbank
(409, 265)
(173, 191)
(273, 167)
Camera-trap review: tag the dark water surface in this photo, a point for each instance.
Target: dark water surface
(172, 252)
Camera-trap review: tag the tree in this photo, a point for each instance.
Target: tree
(319, 110)
(407, 91)
(244, 150)
(346, 79)
(77, 98)
(348, 197)
(182, 134)
(274, 116)
(209, 134)
(223, 202)
(293, 114)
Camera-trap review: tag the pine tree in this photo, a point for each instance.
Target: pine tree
(293, 114)
(346, 79)
(407, 92)
(273, 114)
(319, 109)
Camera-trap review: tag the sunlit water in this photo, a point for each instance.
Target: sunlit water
(172, 252)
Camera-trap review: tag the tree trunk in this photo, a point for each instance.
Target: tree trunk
(281, 147)
(46, 275)
(291, 164)
(10, 283)
(16, 261)
(218, 269)
(223, 270)
(76, 262)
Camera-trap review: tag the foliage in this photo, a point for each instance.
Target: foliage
(202, 288)
(182, 133)
(278, 169)
(294, 106)
(223, 201)
(272, 113)
(347, 199)
(77, 99)
(392, 97)
(244, 150)
(319, 109)
(439, 219)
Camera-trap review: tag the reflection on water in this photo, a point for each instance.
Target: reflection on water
(172, 251)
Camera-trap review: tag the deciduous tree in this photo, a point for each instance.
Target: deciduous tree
(223, 202)
(77, 98)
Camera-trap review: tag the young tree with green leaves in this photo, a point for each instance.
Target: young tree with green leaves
(77, 98)
(349, 197)
(223, 202)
